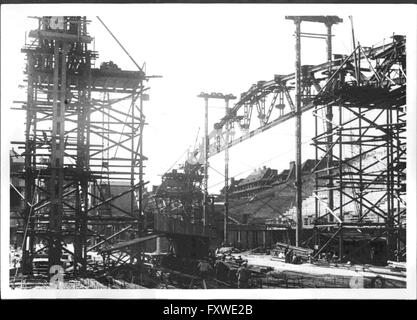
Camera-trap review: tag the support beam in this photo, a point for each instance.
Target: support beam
(226, 175)
(329, 125)
(206, 145)
(57, 154)
(298, 172)
(140, 200)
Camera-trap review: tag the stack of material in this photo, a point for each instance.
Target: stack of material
(90, 283)
(399, 266)
(113, 283)
(304, 253)
(395, 269)
(120, 284)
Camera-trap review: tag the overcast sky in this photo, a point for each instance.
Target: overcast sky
(211, 48)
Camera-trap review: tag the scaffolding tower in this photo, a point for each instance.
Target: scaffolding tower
(362, 188)
(83, 132)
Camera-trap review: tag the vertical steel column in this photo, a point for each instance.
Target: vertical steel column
(34, 172)
(82, 162)
(87, 153)
(78, 250)
(29, 174)
(392, 184)
(298, 173)
(341, 180)
(389, 184)
(398, 184)
(329, 126)
(357, 73)
(226, 173)
(360, 164)
(206, 151)
(316, 185)
(54, 163)
(142, 120)
(132, 157)
(57, 154)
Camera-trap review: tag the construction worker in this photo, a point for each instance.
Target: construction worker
(221, 269)
(211, 257)
(203, 268)
(290, 256)
(372, 253)
(243, 275)
(286, 251)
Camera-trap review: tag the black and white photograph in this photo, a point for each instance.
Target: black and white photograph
(197, 151)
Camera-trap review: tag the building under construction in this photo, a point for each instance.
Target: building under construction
(80, 207)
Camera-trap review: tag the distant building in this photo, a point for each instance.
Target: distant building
(261, 179)
(267, 196)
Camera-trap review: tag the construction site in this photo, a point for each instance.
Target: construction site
(83, 216)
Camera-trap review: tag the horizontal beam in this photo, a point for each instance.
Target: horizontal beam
(321, 19)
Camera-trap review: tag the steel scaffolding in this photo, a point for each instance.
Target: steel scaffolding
(82, 129)
(364, 149)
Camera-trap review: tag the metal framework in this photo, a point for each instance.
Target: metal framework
(328, 21)
(180, 194)
(206, 143)
(285, 97)
(364, 148)
(83, 128)
(360, 101)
